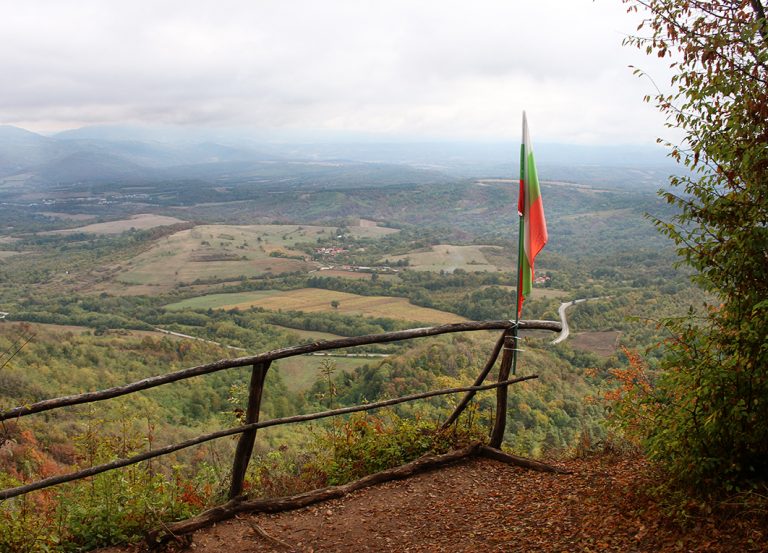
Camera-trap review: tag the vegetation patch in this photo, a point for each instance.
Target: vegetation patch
(314, 335)
(537, 292)
(447, 257)
(348, 274)
(69, 216)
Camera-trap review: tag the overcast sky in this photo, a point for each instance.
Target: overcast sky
(437, 69)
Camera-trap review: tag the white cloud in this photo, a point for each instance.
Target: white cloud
(439, 69)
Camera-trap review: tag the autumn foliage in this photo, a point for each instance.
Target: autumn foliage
(708, 414)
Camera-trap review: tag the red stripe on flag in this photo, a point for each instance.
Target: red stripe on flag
(536, 229)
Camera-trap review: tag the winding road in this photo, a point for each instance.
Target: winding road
(561, 311)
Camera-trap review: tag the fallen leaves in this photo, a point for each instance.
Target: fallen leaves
(483, 505)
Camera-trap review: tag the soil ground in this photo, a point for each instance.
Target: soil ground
(483, 505)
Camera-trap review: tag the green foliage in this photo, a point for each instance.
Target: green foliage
(707, 412)
(335, 323)
(545, 416)
(119, 506)
(284, 471)
(113, 507)
(367, 443)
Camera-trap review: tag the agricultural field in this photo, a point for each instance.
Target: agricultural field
(222, 301)
(142, 221)
(448, 258)
(600, 343)
(229, 251)
(301, 372)
(5, 254)
(316, 300)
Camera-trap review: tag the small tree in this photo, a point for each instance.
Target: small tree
(335, 304)
(327, 369)
(709, 422)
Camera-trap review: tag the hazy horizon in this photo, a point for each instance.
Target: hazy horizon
(409, 150)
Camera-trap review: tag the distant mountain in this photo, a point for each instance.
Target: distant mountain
(122, 154)
(164, 155)
(21, 150)
(89, 166)
(112, 153)
(127, 133)
(115, 155)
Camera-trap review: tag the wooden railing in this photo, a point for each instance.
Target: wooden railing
(260, 364)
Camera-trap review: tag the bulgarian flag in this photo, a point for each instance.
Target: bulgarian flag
(533, 226)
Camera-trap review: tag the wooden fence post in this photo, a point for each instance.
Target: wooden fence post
(497, 434)
(247, 438)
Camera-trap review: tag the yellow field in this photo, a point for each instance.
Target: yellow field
(447, 257)
(316, 300)
(139, 222)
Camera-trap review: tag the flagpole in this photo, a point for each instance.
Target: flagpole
(520, 247)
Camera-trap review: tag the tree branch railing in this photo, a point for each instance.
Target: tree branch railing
(261, 363)
(385, 337)
(245, 428)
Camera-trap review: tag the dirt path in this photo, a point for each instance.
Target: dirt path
(482, 505)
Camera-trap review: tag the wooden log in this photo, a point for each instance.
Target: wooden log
(500, 422)
(498, 455)
(242, 505)
(478, 381)
(151, 382)
(55, 480)
(248, 438)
